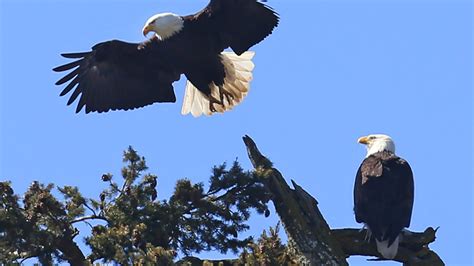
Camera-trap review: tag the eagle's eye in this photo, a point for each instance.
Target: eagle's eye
(372, 137)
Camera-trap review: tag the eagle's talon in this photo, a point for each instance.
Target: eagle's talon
(212, 101)
(211, 107)
(229, 97)
(368, 235)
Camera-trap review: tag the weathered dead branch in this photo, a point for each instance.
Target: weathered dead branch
(308, 233)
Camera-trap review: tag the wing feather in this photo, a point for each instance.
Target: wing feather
(117, 75)
(70, 86)
(75, 55)
(68, 77)
(239, 24)
(67, 66)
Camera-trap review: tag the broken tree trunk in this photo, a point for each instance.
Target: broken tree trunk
(309, 236)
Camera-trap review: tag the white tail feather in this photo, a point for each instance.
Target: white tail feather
(386, 251)
(238, 71)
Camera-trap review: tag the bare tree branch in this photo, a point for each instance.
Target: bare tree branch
(90, 208)
(71, 251)
(308, 233)
(89, 217)
(413, 248)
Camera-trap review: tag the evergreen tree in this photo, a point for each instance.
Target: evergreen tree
(129, 224)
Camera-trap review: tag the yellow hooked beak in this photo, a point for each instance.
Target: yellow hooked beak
(146, 30)
(363, 140)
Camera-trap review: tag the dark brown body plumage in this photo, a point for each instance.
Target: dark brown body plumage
(383, 195)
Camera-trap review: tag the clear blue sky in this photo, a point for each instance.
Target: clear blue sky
(332, 71)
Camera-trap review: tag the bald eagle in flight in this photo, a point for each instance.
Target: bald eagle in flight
(117, 75)
(383, 193)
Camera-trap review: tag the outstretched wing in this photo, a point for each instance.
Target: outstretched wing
(117, 75)
(239, 24)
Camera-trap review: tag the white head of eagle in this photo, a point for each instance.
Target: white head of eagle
(164, 25)
(377, 143)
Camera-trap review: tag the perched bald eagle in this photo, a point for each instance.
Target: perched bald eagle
(383, 193)
(117, 75)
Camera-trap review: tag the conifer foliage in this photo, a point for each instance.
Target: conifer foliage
(129, 224)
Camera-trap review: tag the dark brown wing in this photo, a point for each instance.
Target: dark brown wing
(371, 167)
(117, 75)
(238, 24)
(383, 194)
(407, 188)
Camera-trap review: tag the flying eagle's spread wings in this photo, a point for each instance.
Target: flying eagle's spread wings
(236, 22)
(117, 75)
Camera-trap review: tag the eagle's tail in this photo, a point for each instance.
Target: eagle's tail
(388, 251)
(236, 85)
